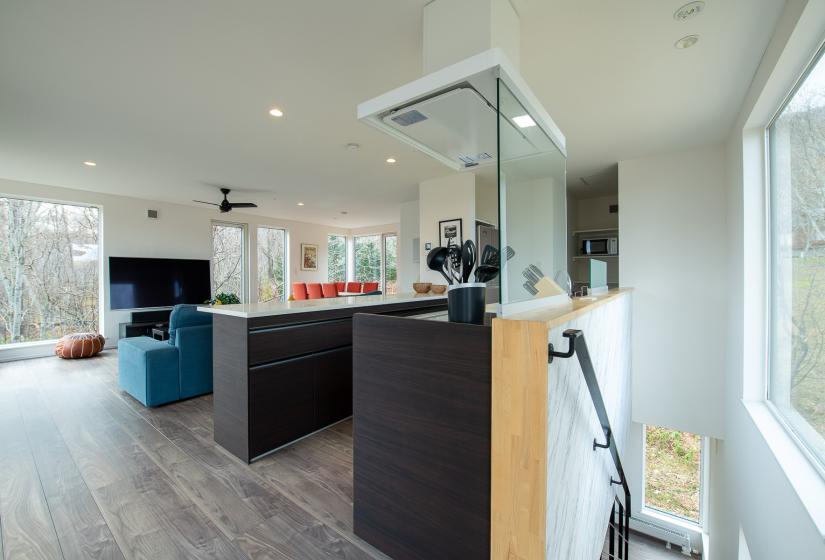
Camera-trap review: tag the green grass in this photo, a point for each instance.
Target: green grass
(673, 471)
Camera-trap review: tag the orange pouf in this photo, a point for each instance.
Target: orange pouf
(79, 345)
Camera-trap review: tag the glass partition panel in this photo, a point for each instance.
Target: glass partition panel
(532, 204)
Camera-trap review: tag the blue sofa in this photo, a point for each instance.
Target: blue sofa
(157, 372)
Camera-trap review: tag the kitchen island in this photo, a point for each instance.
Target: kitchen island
(283, 370)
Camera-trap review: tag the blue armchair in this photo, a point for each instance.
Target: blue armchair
(158, 372)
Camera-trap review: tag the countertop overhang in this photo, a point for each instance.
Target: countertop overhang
(266, 309)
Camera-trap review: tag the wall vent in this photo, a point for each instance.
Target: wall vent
(152, 214)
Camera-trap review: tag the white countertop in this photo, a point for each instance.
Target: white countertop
(250, 310)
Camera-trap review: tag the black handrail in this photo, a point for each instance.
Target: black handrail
(578, 345)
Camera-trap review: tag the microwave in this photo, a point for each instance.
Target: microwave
(605, 246)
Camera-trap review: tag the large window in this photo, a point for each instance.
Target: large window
(49, 269)
(228, 259)
(390, 263)
(673, 472)
(368, 258)
(797, 262)
(271, 264)
(337, 258)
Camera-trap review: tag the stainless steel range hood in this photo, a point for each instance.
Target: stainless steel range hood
(452, 114)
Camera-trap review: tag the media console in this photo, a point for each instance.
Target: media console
(143, 322)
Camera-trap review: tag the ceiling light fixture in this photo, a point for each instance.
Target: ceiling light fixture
(353, 146)
(89, 164)
(686, 42)
(275, 112)
(524, 121)
(300, 204)
(689, 10)
(390, 160)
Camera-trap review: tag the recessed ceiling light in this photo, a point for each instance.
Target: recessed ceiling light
(390, 160)
(524, 121)
(689, 10)
(275, 112)
(686, 42)
(89, 164)
(353, 146)
(300, 204)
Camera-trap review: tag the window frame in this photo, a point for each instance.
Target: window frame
(287, 288)
(382, 281)
(384, 237)
(670, 517)
(791, 428)
(346, 257)
(101, 264)
(245, 247)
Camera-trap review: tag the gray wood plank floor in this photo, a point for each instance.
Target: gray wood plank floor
(88, 472)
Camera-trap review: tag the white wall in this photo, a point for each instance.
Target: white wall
(408, 230)
(487, 199)
(673, 252)
(446, 198)
(594, 213)
(766, 498)
(181, 231)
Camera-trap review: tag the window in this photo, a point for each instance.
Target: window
(49, 269)
(390, 263)
(228, 256)
(368, 258)
(337, 258)
(796, 380)
(271, 264)
(673, 472)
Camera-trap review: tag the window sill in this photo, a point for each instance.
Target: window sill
(26, 350)
(805, 479)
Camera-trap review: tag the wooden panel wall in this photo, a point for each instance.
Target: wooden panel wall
(519, 440)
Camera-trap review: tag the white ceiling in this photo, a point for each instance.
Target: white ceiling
(614, 83)
(172, 97)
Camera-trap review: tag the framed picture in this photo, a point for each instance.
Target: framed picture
(309, 257)
(449, 232)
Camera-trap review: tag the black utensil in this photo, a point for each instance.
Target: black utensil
(436, 259)
(455, 262)
(468, 260)
(486, 272)
(509, 252)
(485, 255)
(492, 257)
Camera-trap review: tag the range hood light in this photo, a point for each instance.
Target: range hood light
(524, 121)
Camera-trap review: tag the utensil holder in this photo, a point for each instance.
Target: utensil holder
(465, 303)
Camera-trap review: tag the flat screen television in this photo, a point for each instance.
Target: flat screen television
(139, 282)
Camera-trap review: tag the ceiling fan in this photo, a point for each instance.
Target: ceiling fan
(227, 206)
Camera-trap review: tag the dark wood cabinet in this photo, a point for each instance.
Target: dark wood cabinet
(333, 386)
(284, 391)
(279, 378)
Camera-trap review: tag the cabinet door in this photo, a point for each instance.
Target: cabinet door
(281, 403)
(333, 386)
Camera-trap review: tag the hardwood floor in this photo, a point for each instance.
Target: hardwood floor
(88, 472)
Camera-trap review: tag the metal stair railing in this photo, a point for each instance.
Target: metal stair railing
(620, 515)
